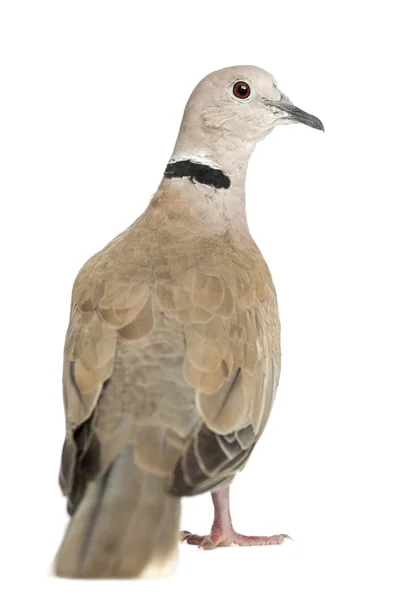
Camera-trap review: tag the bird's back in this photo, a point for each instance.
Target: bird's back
(162, 320)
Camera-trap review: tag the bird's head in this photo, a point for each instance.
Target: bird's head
(233, 109)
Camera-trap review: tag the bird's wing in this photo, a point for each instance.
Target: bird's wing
(232, 361)
(221, 331)
(102, 306)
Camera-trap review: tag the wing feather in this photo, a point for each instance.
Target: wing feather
(187, 360)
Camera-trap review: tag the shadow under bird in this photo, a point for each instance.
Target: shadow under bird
(172, 354)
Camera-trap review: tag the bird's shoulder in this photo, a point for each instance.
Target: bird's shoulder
(142, 255)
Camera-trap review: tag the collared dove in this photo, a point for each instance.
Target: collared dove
(172, 353)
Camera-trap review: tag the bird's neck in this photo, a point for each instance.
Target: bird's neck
(210, 195)
(215, 149)
(208, 176)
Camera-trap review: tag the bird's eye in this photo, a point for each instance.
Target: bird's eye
(241, 90)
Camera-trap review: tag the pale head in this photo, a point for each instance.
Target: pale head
(230, 111)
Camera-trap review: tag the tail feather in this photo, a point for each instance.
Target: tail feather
(125, 526)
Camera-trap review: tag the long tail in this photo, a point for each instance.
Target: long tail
(127, 525)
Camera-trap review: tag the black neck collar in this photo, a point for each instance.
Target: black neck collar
(198, 172)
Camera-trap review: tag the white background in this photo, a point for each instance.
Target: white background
(92, 97)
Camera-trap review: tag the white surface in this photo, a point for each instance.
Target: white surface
(92, 97)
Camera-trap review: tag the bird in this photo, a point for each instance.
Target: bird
(172, 355)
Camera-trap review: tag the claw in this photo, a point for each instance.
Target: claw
(222, 532)
(184, 535)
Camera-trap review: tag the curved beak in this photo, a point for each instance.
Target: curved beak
(296, 114)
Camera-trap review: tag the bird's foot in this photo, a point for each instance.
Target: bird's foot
(218, 537)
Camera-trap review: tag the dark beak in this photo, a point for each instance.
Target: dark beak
(296, 114)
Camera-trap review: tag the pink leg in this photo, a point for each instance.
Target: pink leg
(222, 532)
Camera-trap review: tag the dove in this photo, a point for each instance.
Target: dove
(172, 355)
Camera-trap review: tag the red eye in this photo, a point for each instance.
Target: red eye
(241, 90)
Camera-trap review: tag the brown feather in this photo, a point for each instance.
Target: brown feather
(186, 335)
